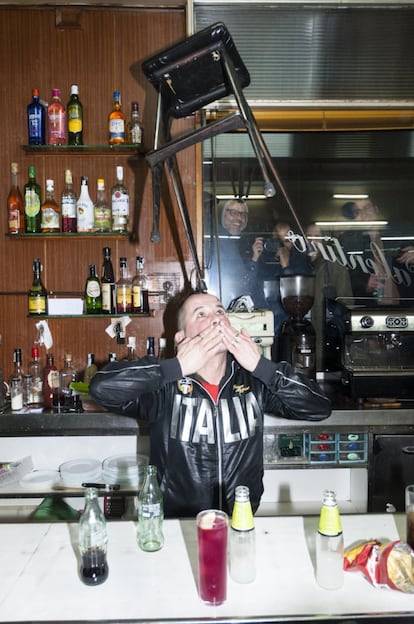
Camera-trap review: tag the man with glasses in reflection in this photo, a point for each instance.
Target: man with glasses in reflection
(234, 264)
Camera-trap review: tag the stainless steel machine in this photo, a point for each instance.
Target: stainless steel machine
(378, 352)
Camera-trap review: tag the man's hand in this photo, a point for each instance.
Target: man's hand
(194, 352)
(241, 346)
(257, 248)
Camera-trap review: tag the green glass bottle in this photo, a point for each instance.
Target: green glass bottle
(75, 117)
(93, 292)
(32, 203)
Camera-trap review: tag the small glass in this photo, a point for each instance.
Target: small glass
(409, 511)
(16, 393)
(212, 528)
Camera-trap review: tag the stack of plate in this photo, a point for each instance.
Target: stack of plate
(78, 471)
(124, 469)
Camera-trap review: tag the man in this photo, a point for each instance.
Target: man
(205, 407)
(234, 266)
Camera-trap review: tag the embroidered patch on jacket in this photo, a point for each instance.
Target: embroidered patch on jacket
(241, 389)
(185, 385)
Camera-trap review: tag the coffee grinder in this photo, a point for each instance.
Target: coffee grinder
(298, 339)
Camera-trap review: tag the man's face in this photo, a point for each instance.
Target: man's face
(365, 210)
(235, 218)
(201, 311)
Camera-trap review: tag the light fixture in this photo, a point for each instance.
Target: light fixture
(242, 197)
(351, 224)
(350, 196)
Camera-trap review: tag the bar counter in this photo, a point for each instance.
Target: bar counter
(40, 583)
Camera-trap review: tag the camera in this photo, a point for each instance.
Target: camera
(271, 245)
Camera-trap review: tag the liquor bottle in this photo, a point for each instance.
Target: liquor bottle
(50, 380)
(91, 369)
(68, 205)
(32, 203)
(123, 289)
(84, 208)
(56, 120)
(51, 214)
(329, 544)
(93, 293)
(150, 513)
(102, 220)
(15, 203)
(75, 117)
(151, 346)
(16, 394)
(140, 302)
(36, 121)
(120, 203)
(131, 347)
(35, 370)
(135, 126)
(242, 561)
(108, 283)
(93, 541)
(17, 365)
(162, 348)
(66, 376)
(116, 121)
(37, 303)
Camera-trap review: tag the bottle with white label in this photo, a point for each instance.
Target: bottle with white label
(68, 205)
(330, 545)
(150, 513)
(120, 203)
(84, 208)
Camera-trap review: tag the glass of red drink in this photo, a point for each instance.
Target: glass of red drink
(212, 526)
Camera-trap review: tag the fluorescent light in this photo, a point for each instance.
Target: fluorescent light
(350, 196)
(242, 197)
(351, 224)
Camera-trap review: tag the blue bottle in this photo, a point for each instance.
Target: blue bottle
(36, 121)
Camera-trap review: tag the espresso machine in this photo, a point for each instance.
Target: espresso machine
(298, 340)
(377, 354)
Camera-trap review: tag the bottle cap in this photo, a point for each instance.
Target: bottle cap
(35, 352)
(119, 173)
(35, 92)
(134, 106)
(117, 96)
(101, 184)
(32, 171)
(14, 168)
(55, 92)
(50, 185)
(74, 89)
(68, 176)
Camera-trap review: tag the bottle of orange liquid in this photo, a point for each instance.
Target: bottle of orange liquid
(117, 122)
(15, 203)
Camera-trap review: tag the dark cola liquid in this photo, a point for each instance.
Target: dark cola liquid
(94, 567)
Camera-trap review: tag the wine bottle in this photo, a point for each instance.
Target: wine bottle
(32, 203)
(151, 346)
(120, 203)
(37, 292)
(102, 220)
(68, 205)
(140, 303)
(15, 203)
(36, 121)
(50, 380)
(93, 293)
(67, 375)
(56, 120)
(51, 215)
(108, 283)
(84, 208)
(123, 289)
(75, 117)
(116, 121)
(135, 126)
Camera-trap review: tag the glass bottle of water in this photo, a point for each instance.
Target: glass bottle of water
(150, 513)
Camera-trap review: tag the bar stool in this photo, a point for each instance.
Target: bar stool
(189, 75)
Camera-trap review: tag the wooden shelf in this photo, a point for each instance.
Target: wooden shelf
(112, 235)
(83, 150)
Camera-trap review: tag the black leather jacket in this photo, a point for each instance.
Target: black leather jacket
(203, 449)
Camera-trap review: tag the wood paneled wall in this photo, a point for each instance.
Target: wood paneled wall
(101, 50)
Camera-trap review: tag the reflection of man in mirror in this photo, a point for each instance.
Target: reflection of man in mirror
(234, 265)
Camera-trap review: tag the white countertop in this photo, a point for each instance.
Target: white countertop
(39, 577)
